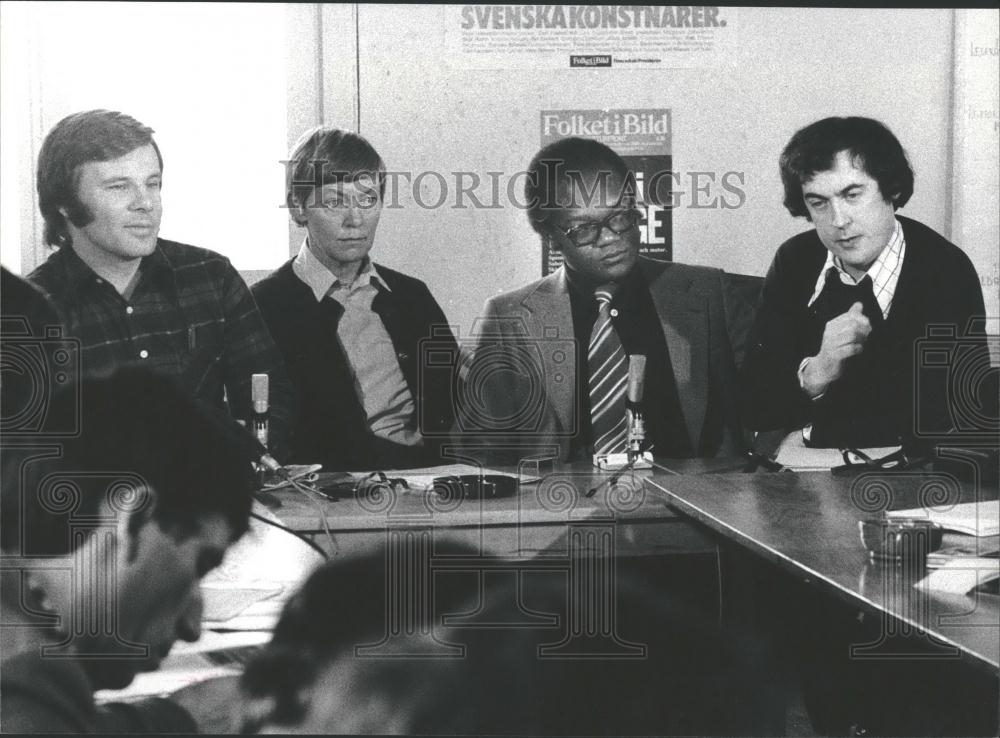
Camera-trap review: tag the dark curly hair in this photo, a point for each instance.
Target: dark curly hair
(871, 145)
(135, 432)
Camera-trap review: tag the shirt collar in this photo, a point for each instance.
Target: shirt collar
(158, 263)
(79, 274)
(74, 268)
(321, 280)
(884, 271)
(621, 289)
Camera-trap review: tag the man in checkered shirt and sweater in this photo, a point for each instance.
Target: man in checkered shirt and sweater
(835, 348)
(836, 351)
(132, 298)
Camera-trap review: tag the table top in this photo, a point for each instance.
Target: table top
(807, 523)
(556, 494)
(532, 520)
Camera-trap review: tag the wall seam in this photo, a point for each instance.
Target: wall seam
(320, 82)
(357, 68)
(949, 211)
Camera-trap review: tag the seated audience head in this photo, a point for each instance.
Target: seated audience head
(687, 678)
(334, 183)
(99, 178)
(344, 604)
(146, 498)
(664, 668)
(581, 199)
(29, 326)
(848, 176)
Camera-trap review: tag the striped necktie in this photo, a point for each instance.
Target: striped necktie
(608, 380)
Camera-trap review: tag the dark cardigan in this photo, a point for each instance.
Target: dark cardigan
(329, 423)
(874, 401)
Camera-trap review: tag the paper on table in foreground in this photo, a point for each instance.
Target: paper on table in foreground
(972, 518)
(225, 602)
(960, 545)
(190, 663)
(961, 575)
(256, 577)
(795, 455)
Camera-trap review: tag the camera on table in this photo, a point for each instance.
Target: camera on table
(497, 382)
(955, 386)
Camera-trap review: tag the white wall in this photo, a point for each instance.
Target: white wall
(209, 78)
(793, 66)
(976, 195)
(383, 70)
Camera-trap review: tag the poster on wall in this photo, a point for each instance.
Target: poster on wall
(642, 137)
(588, 36)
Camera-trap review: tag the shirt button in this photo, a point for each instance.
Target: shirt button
(100, 281)
(128, 310)
(614, 312)
(403, 355)
(143, 354)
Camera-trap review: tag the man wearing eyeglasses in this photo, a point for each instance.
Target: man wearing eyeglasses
(571, 333)
(351, 330)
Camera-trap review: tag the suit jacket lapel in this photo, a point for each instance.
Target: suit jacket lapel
(550, 321)
(684, 317)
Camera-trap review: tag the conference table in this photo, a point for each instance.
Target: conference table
(549, 498)
(805, 524)
(581, 523)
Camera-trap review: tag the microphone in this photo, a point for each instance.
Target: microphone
(256, 452)
(636, 422)
(259, 417)
(250, 447)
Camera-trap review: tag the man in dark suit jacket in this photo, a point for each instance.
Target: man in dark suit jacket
(858, 314)
(535, 383)
(354, 333)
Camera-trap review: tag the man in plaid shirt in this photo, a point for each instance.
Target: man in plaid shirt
(132, 298)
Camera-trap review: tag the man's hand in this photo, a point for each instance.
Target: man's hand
(843, 337)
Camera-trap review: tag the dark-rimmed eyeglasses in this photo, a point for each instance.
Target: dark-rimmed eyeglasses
(339, 204)
(380, 479)
(587, 234)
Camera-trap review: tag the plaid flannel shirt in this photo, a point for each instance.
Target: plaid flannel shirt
(191, 316)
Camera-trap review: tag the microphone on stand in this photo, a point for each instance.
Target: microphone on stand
(636, 421)
(260, 420)
(256, 452)
(259, 417)
(635, 439)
